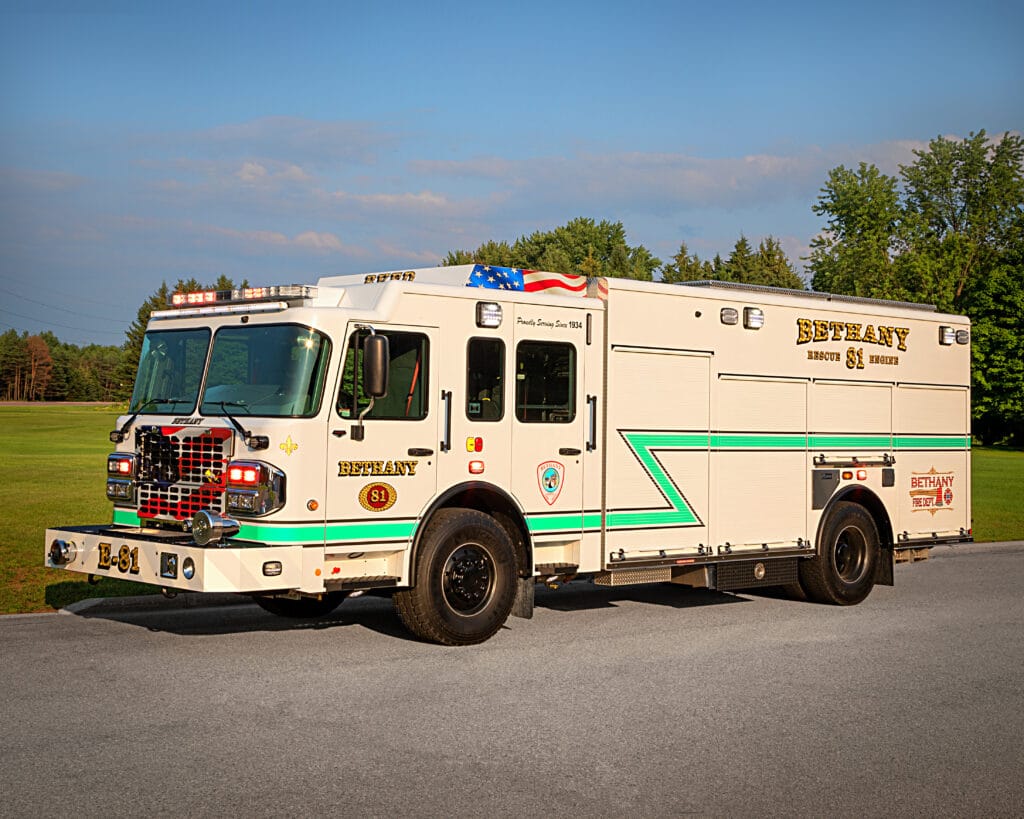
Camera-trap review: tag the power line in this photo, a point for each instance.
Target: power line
(42, 287)
(53, 307)
(65, 326)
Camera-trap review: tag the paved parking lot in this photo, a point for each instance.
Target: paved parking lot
(645, 700)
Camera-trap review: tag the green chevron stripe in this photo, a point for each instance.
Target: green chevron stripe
(545, 524)
(850, 441)
(279, 534)
(737, 440)
(642, 444)
(932, 442)
(126, 517)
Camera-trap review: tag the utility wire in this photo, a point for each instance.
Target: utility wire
(42, 287)
(53, 307)
(65, 326)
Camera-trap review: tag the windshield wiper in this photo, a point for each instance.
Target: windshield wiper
(117, 435)
(251, 441)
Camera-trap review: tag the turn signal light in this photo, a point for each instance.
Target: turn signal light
(243, 474)
(253, 488)
(121, 465)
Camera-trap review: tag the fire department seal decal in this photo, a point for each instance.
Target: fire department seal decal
(931, 491)
(550, 475)
(377, 497)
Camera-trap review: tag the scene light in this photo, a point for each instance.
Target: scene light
(488, 314)
(753, 318)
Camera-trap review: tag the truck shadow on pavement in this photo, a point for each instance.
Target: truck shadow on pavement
(377, 613)
(582, 595)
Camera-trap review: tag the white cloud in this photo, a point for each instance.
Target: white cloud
(297, 140)
(252, 172)
(665, 182)
(269, 172)
(318, 241)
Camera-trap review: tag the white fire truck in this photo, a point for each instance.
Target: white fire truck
(456, 435)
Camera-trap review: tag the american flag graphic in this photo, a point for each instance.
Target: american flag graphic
(513, 278)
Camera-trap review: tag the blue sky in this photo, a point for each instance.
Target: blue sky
(145, 142)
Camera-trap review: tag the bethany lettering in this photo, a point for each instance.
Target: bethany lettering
(816, 330)
(359, 469)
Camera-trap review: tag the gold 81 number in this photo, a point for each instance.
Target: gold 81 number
(126, 561)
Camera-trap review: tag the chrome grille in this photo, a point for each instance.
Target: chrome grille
(181, 470)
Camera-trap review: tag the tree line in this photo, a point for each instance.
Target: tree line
(947, 230)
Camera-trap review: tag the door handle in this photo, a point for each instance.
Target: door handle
(568, 450)
(592, 425)
(417, 452)
(446, 439)
(339, 433)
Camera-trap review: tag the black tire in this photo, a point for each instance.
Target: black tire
(305, 608)
(464, 581)
(843, 571)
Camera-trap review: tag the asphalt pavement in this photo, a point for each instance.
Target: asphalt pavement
(640, 701)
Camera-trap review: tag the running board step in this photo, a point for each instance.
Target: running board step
(380, 581)
(631, 577)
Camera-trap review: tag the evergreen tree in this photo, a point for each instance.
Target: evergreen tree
(685, 267)
(773, 267)
(741, 264)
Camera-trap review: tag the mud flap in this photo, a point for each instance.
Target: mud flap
(883, 574)
(522, 606)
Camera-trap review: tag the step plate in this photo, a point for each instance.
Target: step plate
(631, 577)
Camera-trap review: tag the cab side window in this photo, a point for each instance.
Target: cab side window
(407, 386)
(485, 379)
(545, 382)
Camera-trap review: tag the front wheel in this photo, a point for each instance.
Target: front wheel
(843, 571)
(464, 582)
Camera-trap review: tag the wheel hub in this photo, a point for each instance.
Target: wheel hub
(850, 556)
(468, 579)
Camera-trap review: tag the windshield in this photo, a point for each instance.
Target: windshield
(170, 371)
(270, 370)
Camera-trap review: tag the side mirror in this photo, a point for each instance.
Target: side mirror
(375, 366)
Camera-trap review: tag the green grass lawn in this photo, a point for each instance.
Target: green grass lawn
(997, 503)
(53, 473)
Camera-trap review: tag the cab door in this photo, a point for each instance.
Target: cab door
(550, 416)
(377, 487)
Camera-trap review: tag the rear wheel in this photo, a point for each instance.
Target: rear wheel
(843, 571)
(464, 582)
(304, 608)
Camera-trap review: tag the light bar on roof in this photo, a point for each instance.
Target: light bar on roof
(203, 298)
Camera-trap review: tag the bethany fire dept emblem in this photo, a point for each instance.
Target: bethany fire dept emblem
(550, 475)
(931, 491)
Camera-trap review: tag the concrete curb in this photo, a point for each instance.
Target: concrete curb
(197, 600)
(953, 549)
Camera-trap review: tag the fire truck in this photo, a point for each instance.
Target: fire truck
(454, 436)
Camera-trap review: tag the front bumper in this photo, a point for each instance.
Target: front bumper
(164, 559)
